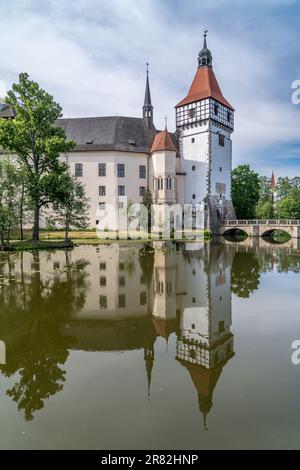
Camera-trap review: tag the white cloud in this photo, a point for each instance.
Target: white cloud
(91, 54)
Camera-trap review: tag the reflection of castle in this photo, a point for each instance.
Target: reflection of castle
(186, 291)
(135, 294)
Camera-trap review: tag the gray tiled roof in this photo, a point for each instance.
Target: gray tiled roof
(6, 111)
(109, 133)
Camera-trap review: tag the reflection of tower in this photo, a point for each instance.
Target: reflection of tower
(149, 360)
(205, 342)
(165, 268)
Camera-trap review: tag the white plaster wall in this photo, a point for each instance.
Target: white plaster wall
(195, 154)
(220, 157)
(92, 181)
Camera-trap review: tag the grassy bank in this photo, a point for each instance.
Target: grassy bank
(55, 240)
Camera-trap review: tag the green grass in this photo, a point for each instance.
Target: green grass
(55, 239)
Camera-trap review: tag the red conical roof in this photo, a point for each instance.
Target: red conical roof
(163, 141)
(204, 85)
(273, 182)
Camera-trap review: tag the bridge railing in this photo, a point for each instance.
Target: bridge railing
(278, 222)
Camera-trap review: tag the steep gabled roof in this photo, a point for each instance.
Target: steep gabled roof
(204, 85)
(109, 133)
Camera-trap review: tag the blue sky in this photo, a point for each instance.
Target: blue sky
(91, 54)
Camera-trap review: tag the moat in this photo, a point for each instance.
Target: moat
(175, 346)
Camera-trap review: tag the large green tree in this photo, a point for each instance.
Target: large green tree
(33, 137)
(245, 191)
(72, 213)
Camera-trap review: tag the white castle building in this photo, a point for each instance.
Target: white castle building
(120, 156)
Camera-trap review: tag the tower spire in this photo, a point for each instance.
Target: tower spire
(148, 108)
(149, 359)
(205, 57)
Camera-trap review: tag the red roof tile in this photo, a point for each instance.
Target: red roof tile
(204, 85)
(163, 141)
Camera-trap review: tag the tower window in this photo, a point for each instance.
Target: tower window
(102, 190)
(221, 140)
(220, 169)
(228, 116)
(194, 196)
(192, 112)
(78, 169)
(216, 109)
(102, 206)
(122, 300)
(193, 168)
(142, 190)
(193, 140)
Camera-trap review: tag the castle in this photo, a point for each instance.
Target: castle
(119, 157)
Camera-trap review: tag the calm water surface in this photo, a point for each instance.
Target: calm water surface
(139, 346)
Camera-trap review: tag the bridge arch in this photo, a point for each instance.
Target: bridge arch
(234, 232)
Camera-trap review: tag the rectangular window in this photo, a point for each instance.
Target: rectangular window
(102, 206)
(142, 190)
(122, 300)
(143, 298)
(102, 266)
(142, 171)
(102, 191)
(192, 112)
(103, 301)
(228, 116)
(121, 281)
(102, 281)
(78, 169)
(221, 140)
(193, 140)
(193, 168)
(216, 109)
(120, 170)
(102, 169)
(121, 190)
(194, 196)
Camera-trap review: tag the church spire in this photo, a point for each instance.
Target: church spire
(148, 108)
(205, 57)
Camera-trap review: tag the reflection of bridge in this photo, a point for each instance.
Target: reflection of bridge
(260, 228)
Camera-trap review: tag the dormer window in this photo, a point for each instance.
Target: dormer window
(131, 142)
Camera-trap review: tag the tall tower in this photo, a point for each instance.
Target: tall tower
(148, 108)
(205, 120)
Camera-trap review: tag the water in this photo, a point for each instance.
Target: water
(150, 346)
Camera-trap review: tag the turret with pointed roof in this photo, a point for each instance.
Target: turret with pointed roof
(148, 108)
(205, 84)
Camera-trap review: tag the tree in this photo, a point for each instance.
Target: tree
(72, 213)
(37, 143)
(147, 202)
(289, 207)
(9, 190)
(245, 191)
(264, 210)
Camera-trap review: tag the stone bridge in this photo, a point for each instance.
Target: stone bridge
(260, 228)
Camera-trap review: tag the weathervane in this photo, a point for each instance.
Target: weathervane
(166, 121)
(147, 65)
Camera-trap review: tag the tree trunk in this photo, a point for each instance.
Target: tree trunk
(67, 226)
(2, 242)
(36, 223)
(21, 213)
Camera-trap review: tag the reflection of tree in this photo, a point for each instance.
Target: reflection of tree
(245, 274)
(146, 258)
(33, 312)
